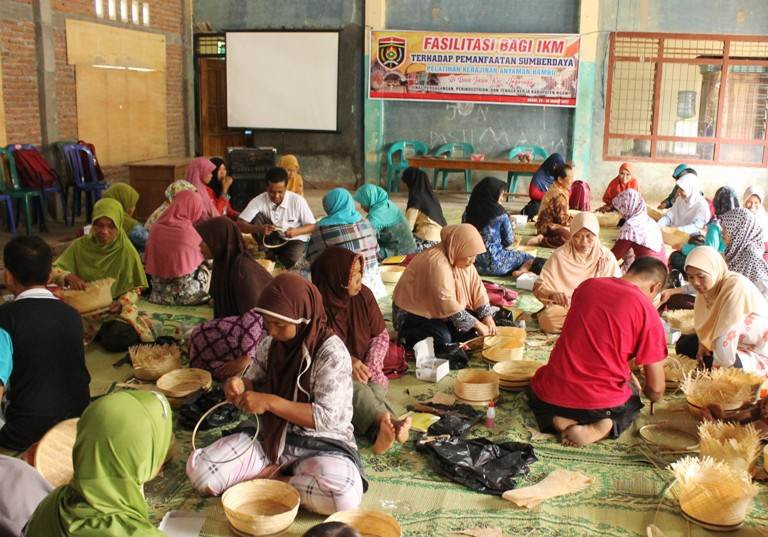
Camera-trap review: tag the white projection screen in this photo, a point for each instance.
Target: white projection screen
(282, 80)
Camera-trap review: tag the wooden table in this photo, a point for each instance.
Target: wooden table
(151, 177)
(468, 164)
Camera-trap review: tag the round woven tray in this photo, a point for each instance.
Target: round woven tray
(476, 385)
(369, 523)
(501, 354)
(512, 371)
(183, 382)
(261, 507)
(667, 437)
(53, 457)
(270, 244)
(709, 525)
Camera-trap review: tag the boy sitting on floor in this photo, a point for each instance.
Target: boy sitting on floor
(42, 359)
(586, 391)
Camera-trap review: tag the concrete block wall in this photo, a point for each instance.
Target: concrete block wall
(18, 46)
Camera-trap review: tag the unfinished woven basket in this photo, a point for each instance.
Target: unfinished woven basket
(680, 320)
(261, 507)
(53, 456)
(150, 362)
(96, 295)
(268, 264)
(674, 237)
(503, 353)
(369, 523)
(676, 368)
(732, 443)
(183, 382)
(728, 387)
(476, 385)
(713, 494)
(516, 370)
(610, 219)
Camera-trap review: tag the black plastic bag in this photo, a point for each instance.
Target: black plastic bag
(191, 411)
(480, 464)
(455, 420)
(457, 358)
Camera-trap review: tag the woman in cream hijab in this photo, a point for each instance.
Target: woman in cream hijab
(730, 314)
(440, 294)
(579, 259)
(291, 165)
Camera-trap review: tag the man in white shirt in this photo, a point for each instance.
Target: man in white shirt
(282, 211)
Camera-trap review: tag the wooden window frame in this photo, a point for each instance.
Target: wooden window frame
(660, 60)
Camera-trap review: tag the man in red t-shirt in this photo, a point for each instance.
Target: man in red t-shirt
(585, 391)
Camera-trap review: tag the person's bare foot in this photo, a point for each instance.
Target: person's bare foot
(403, 429)
(561, 424)
(583, 435)
(525, 267)
(386, 436)
(535, 241)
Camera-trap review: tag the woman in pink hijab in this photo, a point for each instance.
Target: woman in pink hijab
(174, 261)
(199, 174)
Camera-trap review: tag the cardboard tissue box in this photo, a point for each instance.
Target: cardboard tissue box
(428, 366)
(526, 280)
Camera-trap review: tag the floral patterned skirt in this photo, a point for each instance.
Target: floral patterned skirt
(188, 290)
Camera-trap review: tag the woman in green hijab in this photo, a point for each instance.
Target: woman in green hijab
(106, 252)
(392, 229)
(122, 441)
(127, 197)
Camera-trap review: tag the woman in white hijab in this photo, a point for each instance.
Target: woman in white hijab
(753, 199)
(690, 212)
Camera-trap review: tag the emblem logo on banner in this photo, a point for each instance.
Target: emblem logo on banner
(391, 52)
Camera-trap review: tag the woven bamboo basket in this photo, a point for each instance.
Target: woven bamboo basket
(712, 494)
(261, 506)
(268, 264)
(503, 353)
(369, 523)
(728, 387)
(674, 237)
(391, 273)
(53, 457)
(512, 371)
(680, 320)
(607, 220)
(656, 214)
(150, 362)
(476, 385)
(732, 443)
(511, 332)
(669, 437)
(676, 368)
(97, 295)
(183, 382)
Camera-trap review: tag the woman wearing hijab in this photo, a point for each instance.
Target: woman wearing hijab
(423, 212)
(217, 188)
(485, 212)
(199, 174)
(581, 258)
(625, 180)
(226, 346)
(440, 294)
(237, 280)
(174, 262)
(690, 212)
(744, 247)
(344, 227)
(355, 316)
(679, 172)
(122, 442)
(170, 193)
(127, 196)
(540, 183)
(640, 236)
(106, 252)
(581, 196)
(754, 196)
(291, 165)
(725, 199)
(553, 219)
(730, 314)
(392, 230)
(300, 384)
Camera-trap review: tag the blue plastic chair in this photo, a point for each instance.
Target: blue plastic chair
(454, 151)
(402, 150)
(84, 179)
(514, 177)
(5, 184)
(57, 188)
(14, 189)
